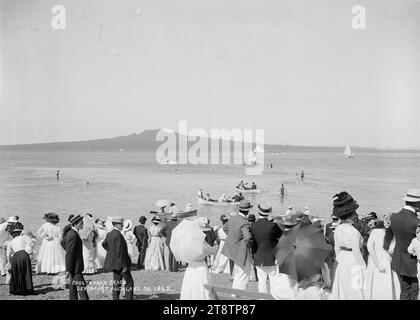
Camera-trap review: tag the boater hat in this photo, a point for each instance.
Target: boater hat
(245, 205)
(117, 220)
(264, 209)
(75, 219)
(413, 195)
(127, 225)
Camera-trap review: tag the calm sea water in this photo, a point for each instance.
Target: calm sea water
(129, 183)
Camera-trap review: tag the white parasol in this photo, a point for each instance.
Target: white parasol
(187, 241)
(88, 226)
(163, 203)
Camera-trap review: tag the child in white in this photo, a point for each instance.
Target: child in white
(414, 249)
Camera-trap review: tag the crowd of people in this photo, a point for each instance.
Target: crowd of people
(369, 258)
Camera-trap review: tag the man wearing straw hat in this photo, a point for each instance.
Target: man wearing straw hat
(403, 225)
(74, 260)
(266, 235)
(118, 261)
(238, 245)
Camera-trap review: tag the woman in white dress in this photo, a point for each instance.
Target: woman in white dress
(382, 282)
(100, 251)
(51, 256)
(221, 262)
(350, 266)
(154, 254)
(129, 238)
(197, 273)
(88, 236)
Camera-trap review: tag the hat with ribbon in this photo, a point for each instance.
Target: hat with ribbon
(75, 219)
(413, 195)
(245, 205)
(264, 209)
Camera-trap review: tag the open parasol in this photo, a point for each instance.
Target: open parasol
(187, 241)
(302, 251)
(88, 226)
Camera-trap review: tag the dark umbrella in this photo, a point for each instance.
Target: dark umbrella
(302, 251)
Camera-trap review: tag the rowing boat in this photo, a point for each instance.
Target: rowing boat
(216, 203)
(249, 191)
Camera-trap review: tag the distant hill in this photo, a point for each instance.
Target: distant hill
(146, 140)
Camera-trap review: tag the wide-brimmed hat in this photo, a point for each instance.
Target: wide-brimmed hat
(413, 195)
(127, 225)
(289, 221)
(142, 219)
(245, 205)
(75, 219)
(18, 227)
(344, 204)
(51, 217)
(117, 219)
(264, 209)
(12, 219)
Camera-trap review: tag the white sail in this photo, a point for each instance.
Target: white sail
(259, 149)
(348, 153)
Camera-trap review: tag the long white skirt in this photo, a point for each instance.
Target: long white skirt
(221, 262)
(100, 255)
(51, 257)
(195, 277)
(154, 255)
(349, 278)
(381, 286)
(89, 257)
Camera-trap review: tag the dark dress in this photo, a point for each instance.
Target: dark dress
(21, 274)
(167, 232)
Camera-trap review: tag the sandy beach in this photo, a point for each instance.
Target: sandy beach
(159, 285)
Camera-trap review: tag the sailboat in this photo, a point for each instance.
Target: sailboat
(348, 153)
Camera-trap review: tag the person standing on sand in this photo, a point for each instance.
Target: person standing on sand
(142, 236)
(51, 254)
(154, 259)
(118, 261)
(266, 235)
(172, 265)
(239, 244)
(58, 174)
(74, 260)
(349, 276)
(4, 236)
(403, 225)
(20, 263)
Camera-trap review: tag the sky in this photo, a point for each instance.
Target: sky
(296, 69)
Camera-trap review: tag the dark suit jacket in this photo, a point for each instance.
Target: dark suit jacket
(404, 224)
(266, 235)
(74, 252)
(66, 229)
(142, 235)
(167, 230)
(239, 241)
(117, 256)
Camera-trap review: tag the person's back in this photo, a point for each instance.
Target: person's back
(266, 235)
(117, 252)
(140, 232)
(404, 224)
(234, 236)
